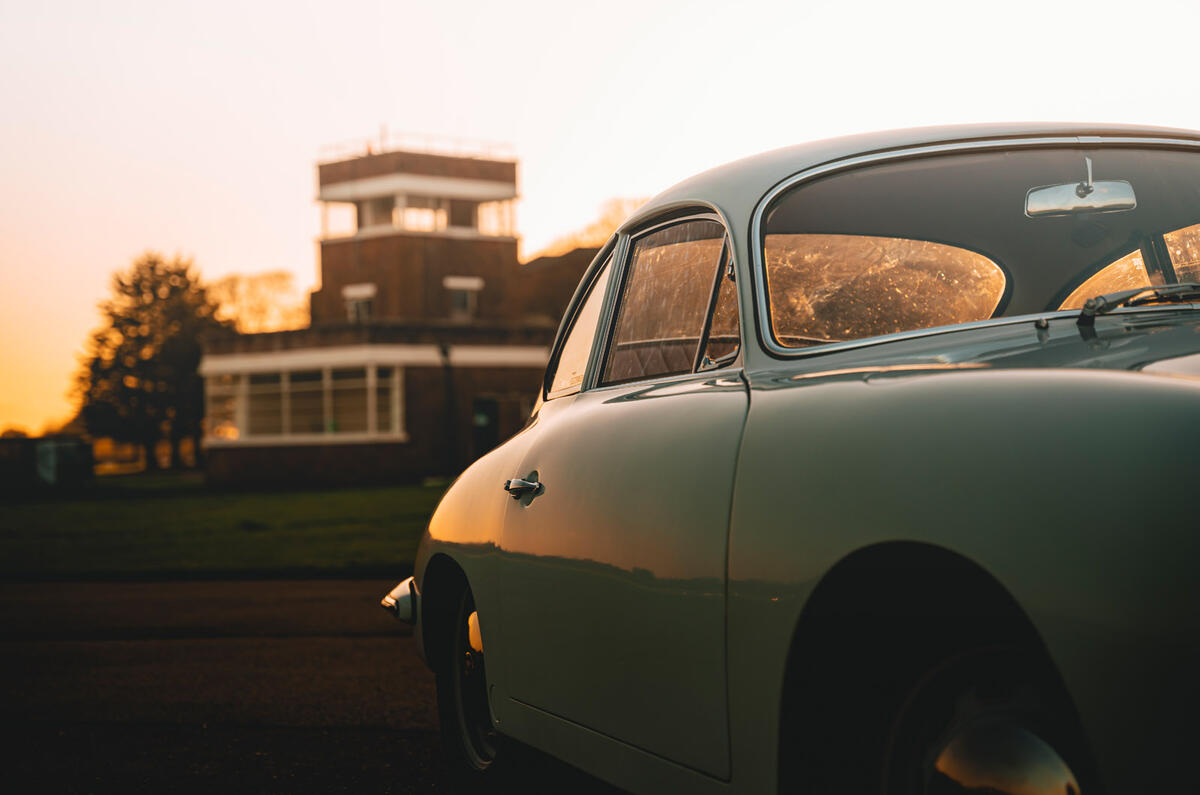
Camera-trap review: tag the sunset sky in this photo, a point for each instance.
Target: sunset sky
(195, 128)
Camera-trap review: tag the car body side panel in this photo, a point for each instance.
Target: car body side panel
(616, 762)
(1005, 469)
(613, 581)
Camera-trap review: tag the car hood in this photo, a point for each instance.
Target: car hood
(1161, 341)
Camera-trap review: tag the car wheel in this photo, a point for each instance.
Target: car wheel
(980, 723)
(468, 736)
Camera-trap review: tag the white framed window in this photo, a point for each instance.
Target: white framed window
(331, 404)
(376, 212)
(496, 218)
(348, 391)
(221, 404)
(360, 301)
(463, 295)
(264, 410)
(306, 390)
(422, 214)
(359, 310)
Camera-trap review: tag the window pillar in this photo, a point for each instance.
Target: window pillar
(285, 402)
(398, 210)
(397, 400)
(327, 399)
(371, 399)
(242, 405)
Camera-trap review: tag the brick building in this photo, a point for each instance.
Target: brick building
(428, 338)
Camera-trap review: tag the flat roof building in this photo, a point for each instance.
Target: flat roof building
(428, 338)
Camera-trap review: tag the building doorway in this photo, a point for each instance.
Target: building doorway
(485, 425)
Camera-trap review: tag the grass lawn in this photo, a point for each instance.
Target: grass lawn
(152, 526)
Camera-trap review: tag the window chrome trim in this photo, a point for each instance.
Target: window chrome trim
(733, 369)
(620, 256)
(758, 267)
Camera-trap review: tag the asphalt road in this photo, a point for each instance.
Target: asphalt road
(280, 686)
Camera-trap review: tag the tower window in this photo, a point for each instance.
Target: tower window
(423, 214)
(360, 301)
(464, 295)
(358, 311)
(462, 304)
(463, 214)
(375, 212)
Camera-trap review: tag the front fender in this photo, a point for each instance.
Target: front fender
(461, 541)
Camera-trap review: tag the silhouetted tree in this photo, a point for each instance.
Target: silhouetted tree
(257, 302)
(140, 381)
(612, 214)
(75, 426)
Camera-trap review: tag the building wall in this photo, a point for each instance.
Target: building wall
(440, 407)
(549, 282)
(343, 334)
(407, 270)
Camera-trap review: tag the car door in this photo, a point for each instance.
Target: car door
(614, 572)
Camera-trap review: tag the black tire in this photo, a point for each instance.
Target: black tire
(469, 740)
(877, 725)
(986, 721)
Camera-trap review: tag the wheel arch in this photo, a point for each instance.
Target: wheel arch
(442, 584)
(909, 579)
(885, 615)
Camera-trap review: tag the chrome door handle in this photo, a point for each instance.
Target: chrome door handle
(518, 487)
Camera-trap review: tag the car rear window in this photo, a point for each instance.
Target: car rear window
(947, 239)
(826, 288)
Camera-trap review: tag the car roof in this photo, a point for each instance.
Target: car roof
(737, 187)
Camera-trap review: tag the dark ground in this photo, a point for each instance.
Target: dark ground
(268, 686)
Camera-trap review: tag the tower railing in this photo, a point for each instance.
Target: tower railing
(418, 143)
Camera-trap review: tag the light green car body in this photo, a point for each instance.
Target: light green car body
(641, 614)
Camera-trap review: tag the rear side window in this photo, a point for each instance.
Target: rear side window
(573, 359)
(1127, 272)
(667, 296)
(1182, 248)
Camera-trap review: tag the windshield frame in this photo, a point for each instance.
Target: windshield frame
(762, 309)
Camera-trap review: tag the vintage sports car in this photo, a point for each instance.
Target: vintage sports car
(869, 465)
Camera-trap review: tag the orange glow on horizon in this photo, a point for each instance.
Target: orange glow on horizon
(197, 129)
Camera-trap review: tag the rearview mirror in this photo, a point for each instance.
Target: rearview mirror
(1106, 196)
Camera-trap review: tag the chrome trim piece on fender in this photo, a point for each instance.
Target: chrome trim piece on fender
(759, 267)
(401, 601)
